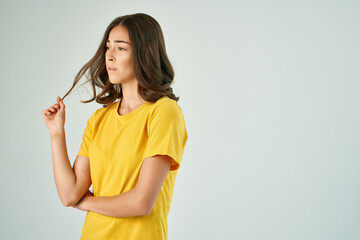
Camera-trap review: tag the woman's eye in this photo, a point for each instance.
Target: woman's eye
(120, 48)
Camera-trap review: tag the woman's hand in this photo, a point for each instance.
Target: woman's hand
(81, 205)
(54, 116)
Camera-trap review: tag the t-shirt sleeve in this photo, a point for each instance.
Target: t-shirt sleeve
(167, 134)
(87, 136)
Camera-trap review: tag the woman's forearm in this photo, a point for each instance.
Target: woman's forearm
(122, 205)
(63, 172)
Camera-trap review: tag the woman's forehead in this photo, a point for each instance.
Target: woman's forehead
(119, 34)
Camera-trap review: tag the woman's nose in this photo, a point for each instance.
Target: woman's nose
(110, 58)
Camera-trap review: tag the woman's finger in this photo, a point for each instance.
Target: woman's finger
(46, 112)
(61, 103)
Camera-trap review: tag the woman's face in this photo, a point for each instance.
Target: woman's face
(118, 56)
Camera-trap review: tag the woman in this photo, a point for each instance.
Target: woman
(131, 148)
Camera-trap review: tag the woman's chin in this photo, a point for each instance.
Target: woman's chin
(114, 81)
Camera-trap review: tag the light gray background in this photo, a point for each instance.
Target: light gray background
(270, 95)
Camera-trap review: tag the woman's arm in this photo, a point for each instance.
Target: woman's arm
(63, 172)
(71, 183)
(123, 205)
(138, 201)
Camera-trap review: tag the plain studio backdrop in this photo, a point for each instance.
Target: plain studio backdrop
(270, 95)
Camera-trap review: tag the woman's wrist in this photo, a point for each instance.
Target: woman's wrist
(88, 203)
(57, 132)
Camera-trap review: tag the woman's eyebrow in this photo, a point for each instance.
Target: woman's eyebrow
(118, 41)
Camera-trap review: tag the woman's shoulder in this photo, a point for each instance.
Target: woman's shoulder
(165, 103)
(167, 108)
(100, 111)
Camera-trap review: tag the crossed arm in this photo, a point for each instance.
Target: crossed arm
(73, 183)
(136, 202)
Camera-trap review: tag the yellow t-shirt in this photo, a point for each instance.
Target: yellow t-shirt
(116, 146)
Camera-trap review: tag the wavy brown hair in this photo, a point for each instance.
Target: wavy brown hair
(152, 67)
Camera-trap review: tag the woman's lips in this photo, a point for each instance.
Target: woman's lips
(111, 69)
